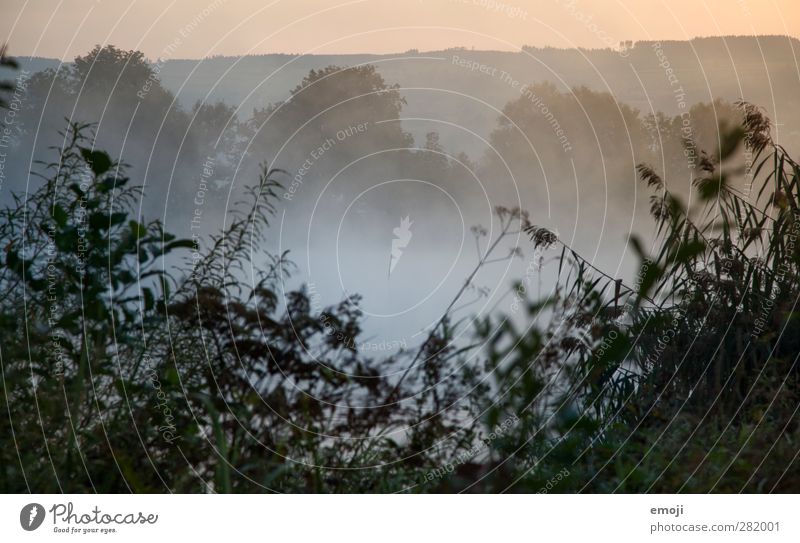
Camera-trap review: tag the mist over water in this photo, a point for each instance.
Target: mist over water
(436, 139)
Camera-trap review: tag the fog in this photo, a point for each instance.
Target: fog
(388, 161)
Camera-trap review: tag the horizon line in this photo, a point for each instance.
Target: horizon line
(415, 51)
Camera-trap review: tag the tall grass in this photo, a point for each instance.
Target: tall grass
(121, 373)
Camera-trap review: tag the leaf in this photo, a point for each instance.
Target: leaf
(709, 188)
(107, 184)
(687, 251)
(137, 229)
(649, 279)
(98, 220)
(117, 218)
(60, 215)
(12, 260)
(179, 243)
(98, 161)
(149, 300)
(730, 141)
(74, 187)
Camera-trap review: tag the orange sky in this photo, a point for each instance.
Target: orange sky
(198, 28)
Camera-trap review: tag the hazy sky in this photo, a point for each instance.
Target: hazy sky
(198, 28)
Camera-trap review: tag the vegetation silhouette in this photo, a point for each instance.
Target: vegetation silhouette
(123, 373)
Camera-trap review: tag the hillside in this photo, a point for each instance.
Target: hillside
(442, 85)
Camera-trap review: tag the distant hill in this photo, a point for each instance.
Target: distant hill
(441, 85)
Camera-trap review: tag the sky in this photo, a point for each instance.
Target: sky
(201, 28)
